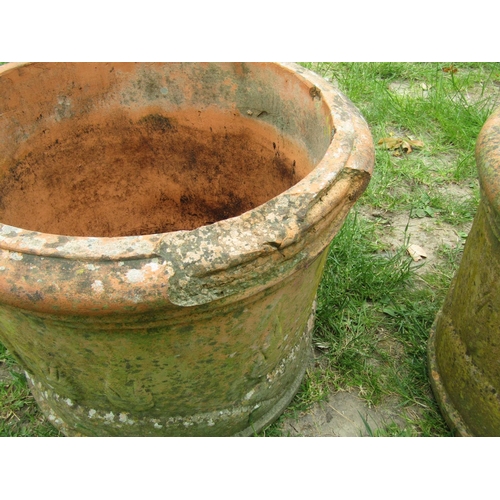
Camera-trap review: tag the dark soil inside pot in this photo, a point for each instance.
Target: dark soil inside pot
(118, 174)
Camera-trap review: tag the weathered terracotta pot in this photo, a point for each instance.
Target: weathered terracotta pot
(164, 231)
(464, 347)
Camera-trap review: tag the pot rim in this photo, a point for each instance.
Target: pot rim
(343, 152)
(488, 162)
(223, 262)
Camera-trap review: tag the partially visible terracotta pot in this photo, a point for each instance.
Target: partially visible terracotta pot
(164, 232)
(464, 347)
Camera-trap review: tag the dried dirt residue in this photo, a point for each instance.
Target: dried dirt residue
(429, 234)
(426, 233)
(119, 175)
(343, 414)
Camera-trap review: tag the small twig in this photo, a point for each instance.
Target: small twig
(339, 413)
(420, 278)
(10, 415)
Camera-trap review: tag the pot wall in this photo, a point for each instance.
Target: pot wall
(464, 348)
(211, 370)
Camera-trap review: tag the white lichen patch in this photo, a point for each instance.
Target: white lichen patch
(152, 266)
(109, 416)
(97, 286)
(114, 248)
(10, 230)
(282, 366)
(249, 394)
(135, 276)
(191, 257)
(168, 426)
(37, 243)
(92, 267)
(138, 297)
(15, 256)
(123, 417)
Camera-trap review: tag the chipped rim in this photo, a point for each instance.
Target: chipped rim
(343, 152)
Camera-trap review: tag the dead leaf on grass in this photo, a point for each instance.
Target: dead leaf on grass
(416, 252)
(322, 345)
(398, 145)
(416, 144)
(390, 142)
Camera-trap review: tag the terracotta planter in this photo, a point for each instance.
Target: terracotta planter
(464, 347)
(164, 231)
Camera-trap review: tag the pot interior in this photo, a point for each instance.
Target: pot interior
(104, 163)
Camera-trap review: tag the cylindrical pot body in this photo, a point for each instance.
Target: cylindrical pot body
(164, 230)
(464, 346)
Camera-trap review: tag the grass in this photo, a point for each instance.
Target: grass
(19, 414)
(375, 305)
(373, 320)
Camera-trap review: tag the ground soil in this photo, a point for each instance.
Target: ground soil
(342, 416)
(426, 233)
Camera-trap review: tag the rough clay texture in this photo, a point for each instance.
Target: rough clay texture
(464, 348)
(126, 325)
